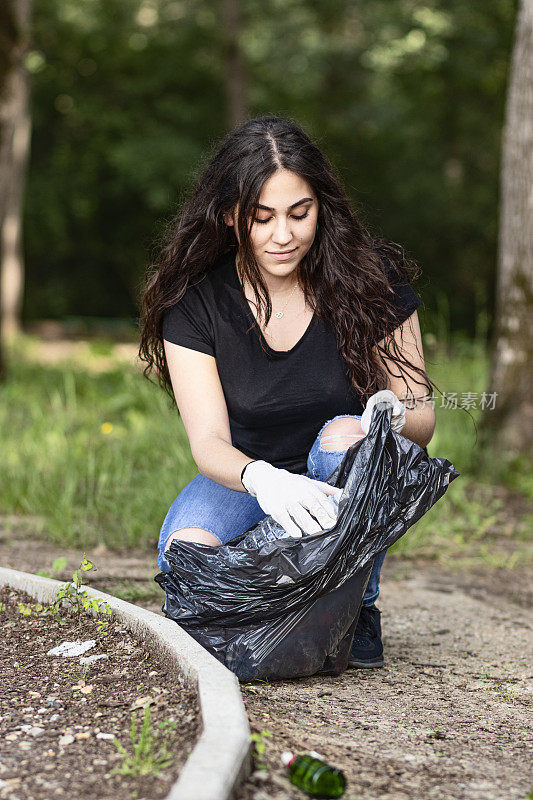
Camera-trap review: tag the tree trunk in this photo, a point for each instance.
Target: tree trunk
(510, 423)
(235, 69)
(14, 151)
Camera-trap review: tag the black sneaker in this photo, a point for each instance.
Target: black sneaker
(367, 650)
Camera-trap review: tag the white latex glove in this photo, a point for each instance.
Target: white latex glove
(284, 494)
(398, 410)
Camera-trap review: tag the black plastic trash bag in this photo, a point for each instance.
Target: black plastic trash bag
(271, 606)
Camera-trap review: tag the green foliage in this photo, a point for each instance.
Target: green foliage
(71, 596)
(146, 756)
(58, 566)
(90, 452)
(123, 107)
(498, 687)
(461, 366)
(74, 597)
(134, 593)
(406, 99)
(100, 456)
(260, 748)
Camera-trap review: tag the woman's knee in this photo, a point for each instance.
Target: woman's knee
(341, 433)
(198, 535)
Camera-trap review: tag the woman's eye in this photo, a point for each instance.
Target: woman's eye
(263, 221)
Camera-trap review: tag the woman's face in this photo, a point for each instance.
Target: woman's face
(284, 223)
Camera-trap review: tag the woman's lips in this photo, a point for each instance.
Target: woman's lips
(283, 256)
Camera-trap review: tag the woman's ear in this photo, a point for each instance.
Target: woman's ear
(228, 219)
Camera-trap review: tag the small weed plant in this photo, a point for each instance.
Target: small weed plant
(498, 687)
(260, 747)
(149, 754)
(72, 596)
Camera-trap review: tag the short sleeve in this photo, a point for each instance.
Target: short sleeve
(189, 323)
(405, 299)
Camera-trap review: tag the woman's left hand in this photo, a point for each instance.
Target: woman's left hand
(398, 410)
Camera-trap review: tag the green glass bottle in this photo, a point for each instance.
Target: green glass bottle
(310, 773)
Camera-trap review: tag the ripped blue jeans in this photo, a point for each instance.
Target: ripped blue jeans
(226, 513)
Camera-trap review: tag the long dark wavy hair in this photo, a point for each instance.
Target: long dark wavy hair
(346, 275)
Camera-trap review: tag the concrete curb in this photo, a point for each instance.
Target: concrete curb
(221, 758)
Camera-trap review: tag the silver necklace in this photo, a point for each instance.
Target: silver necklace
(279, 314)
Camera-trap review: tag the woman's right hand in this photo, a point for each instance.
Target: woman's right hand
(290, 498)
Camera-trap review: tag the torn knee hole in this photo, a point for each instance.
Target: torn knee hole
(198, 535)
(339, 442)
(341, 434)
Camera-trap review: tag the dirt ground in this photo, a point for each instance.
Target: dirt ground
(59, 717)
(448, 717)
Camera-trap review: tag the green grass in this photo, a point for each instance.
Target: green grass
(469, 528)
(463, 367)
(99, 454)
(462, 528)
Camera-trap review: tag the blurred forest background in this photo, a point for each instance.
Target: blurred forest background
(407, 98)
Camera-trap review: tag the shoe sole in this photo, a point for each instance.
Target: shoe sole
(374, 664)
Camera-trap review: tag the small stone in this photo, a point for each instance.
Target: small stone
(105, 735)
(66, 739)
(25, 745)
(71, 649)
(141, 702)
(33, 730)
(11, 737)
(52, 701)
(54, 717)
(83, 735)
(260, 795)
(259, 775)
(92, 659)
(99, 762)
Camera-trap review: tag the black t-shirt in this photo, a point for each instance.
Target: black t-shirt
(277, 401)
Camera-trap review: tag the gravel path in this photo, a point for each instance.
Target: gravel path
(448, 717)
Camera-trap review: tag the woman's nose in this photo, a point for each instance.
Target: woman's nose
(282, 233)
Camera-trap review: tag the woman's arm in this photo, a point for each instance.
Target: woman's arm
(419, 415)
(202, 407)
